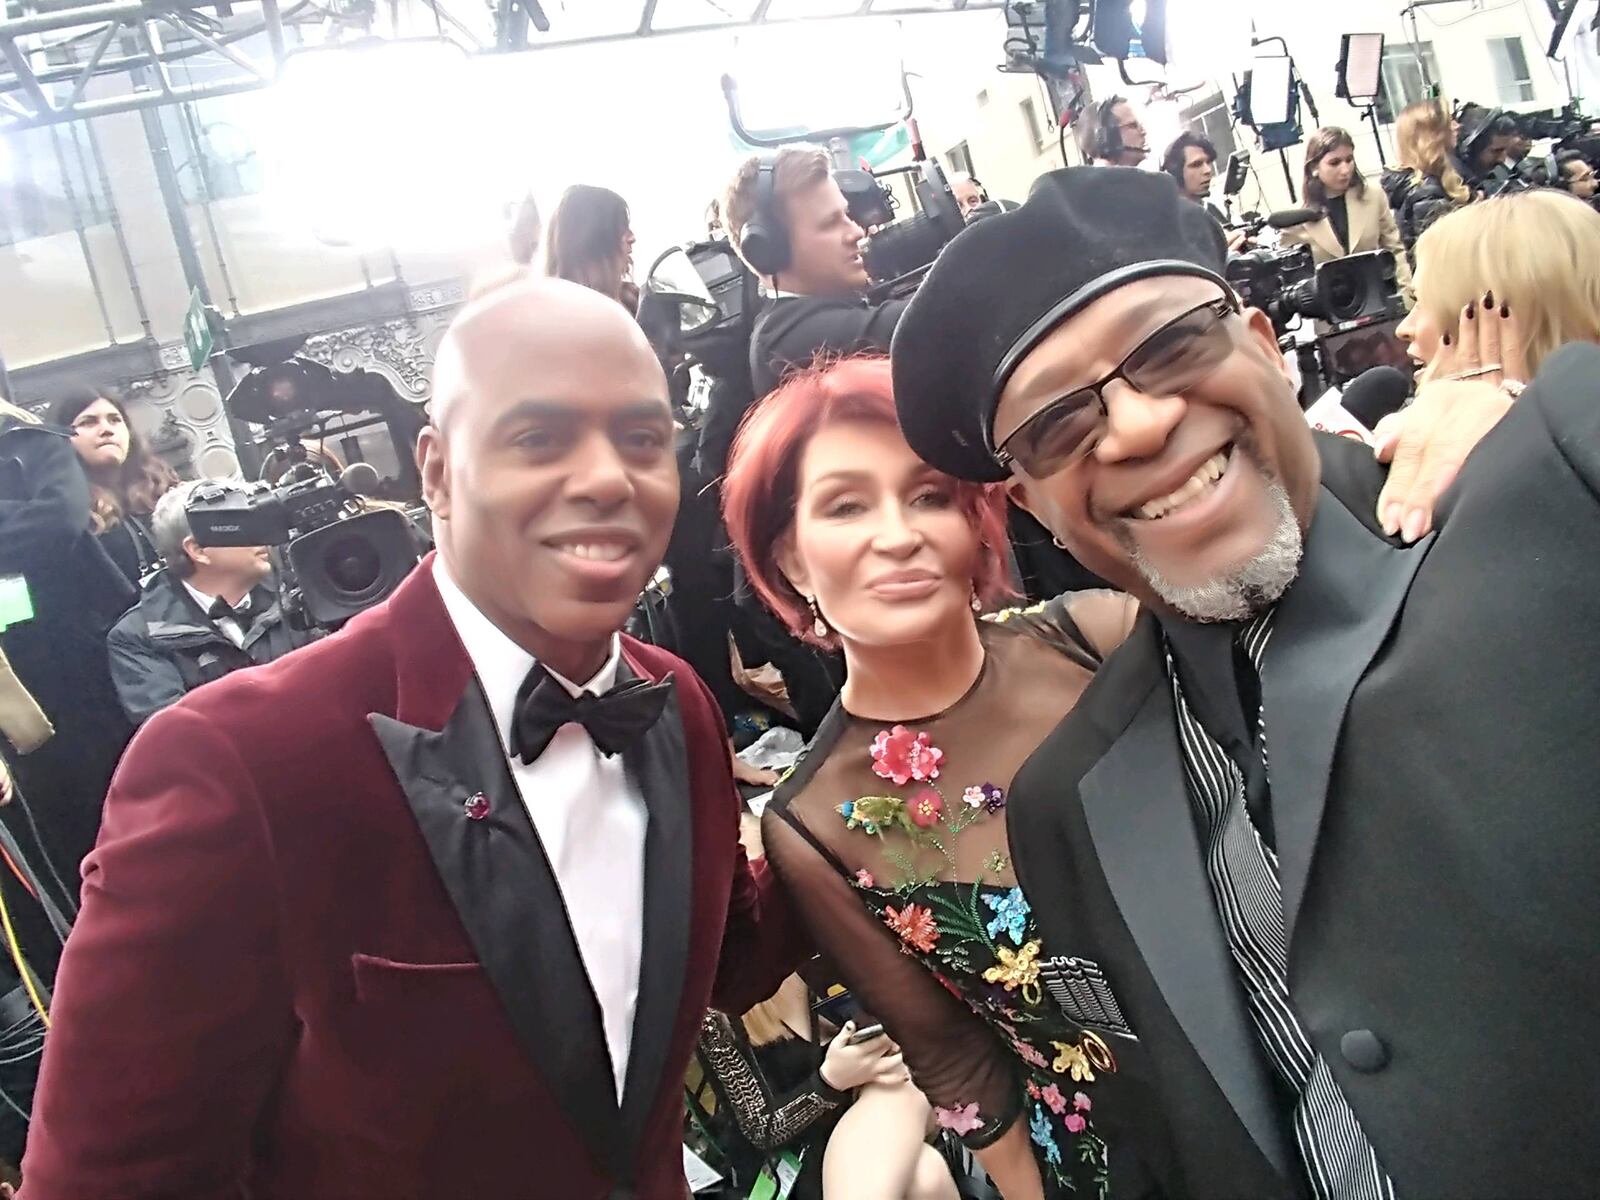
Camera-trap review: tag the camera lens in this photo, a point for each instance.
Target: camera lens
(352, 565)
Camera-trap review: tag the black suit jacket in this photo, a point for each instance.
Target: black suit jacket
(1429, 714)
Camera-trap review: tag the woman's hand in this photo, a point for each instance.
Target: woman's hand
(1467, 387)
(1487, 344)
(846, 1067)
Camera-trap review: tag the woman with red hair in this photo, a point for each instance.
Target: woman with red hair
(891, 832)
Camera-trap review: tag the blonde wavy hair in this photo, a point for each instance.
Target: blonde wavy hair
(1535, 251)
(1423, 138)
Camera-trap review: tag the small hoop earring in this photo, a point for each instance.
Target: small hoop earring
(1058, 543)
(819, 626)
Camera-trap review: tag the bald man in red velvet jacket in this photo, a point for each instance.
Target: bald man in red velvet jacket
(432, 908)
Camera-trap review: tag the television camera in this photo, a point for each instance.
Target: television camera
(1356, 301)
(334, 555)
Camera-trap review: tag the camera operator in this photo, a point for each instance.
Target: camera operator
(1114, 136)
(1577, 175)
(208, 612)
(1191, 160)
(790, 223)
(1356, 218)
(1487, 136)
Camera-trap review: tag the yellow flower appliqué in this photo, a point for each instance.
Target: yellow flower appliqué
(1073, 1059)
(1017, 969)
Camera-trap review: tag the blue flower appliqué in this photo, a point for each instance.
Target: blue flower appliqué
(1010, 915)
(1043, 1136)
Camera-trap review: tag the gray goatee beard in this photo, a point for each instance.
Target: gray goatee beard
(1248, 588)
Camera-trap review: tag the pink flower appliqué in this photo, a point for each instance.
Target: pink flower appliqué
(1031, 1056)
(901, 756)
(926, 807)
(915, 927)
(1053, 1097)
(973, 797)
(1081, 1102)
(963, 1118)
(864, 878)
(1075, 1123)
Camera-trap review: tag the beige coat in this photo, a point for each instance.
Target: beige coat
(1372, 227)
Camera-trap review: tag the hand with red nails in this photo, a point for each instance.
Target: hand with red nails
(1464, 391)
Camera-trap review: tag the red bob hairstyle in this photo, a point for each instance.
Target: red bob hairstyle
(761, 486)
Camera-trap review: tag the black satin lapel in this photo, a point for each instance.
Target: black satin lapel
(1327, 630)
(659, 765)
(506, 894)
(1138, 810)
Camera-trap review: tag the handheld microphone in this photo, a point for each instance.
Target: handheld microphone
(1291, 217)
(1375, 393)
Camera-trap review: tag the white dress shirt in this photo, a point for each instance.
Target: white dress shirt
(231, 629)
(589, 815)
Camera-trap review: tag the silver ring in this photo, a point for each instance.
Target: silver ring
(1486, 369)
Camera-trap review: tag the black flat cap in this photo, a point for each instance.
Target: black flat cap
(1007, 281)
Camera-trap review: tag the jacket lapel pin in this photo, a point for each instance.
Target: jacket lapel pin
(476, 806)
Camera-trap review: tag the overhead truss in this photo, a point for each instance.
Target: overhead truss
(61, 61)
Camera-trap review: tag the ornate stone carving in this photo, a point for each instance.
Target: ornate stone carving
(396, 349)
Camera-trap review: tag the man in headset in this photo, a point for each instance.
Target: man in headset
(788, 220)
(1115, 136)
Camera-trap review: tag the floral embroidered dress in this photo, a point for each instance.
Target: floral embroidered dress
(891, 836)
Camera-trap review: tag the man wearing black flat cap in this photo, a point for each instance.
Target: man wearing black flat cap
(1324, 825)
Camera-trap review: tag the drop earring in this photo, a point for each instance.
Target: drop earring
(819, 626)
(977, 604)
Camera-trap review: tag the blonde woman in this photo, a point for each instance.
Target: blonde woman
(1355, 216)
(1427, 184)
(1525, 262)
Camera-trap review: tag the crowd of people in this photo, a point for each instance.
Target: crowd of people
(1181, 813)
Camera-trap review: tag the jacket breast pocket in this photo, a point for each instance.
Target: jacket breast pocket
(385, 980)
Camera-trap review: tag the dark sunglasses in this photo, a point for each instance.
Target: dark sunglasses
(1172, 359)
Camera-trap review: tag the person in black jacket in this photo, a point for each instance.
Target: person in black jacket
(788, 220)
(1320, 827)
(77, 591)
(207, 613)
(1427, 182)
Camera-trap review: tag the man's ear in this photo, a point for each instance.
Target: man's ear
(789, 563)
(196, 552)
(434, 467)
(1017, 493)
(1258, 327)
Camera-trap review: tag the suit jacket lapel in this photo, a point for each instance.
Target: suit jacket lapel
(1327, 630)
(1359, 209)
(1137, 806)
(659, 765)
(504, 890)
(1326, 239)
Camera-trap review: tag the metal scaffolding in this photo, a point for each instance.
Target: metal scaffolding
(65, 62)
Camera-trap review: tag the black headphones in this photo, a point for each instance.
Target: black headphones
(764, 241)
(1107, 133)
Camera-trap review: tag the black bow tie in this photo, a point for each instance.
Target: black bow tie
(221, 609)
(615, 720)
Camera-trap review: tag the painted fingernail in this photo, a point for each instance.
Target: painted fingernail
(1447, 339)
(1412, 529)
(1505, 310)
(1472, 309)
(1391, 518)
(1488, 299)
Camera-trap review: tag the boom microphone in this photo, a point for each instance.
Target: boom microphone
(1375, 393)
(1291, 217)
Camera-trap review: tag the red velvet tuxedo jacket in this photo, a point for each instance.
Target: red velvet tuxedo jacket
(304, 969)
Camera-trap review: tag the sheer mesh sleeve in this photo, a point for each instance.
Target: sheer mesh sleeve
(767, 1122)
(1086, 626)
(954, 1056)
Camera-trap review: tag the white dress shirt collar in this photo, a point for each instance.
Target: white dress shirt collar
(500, 664)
